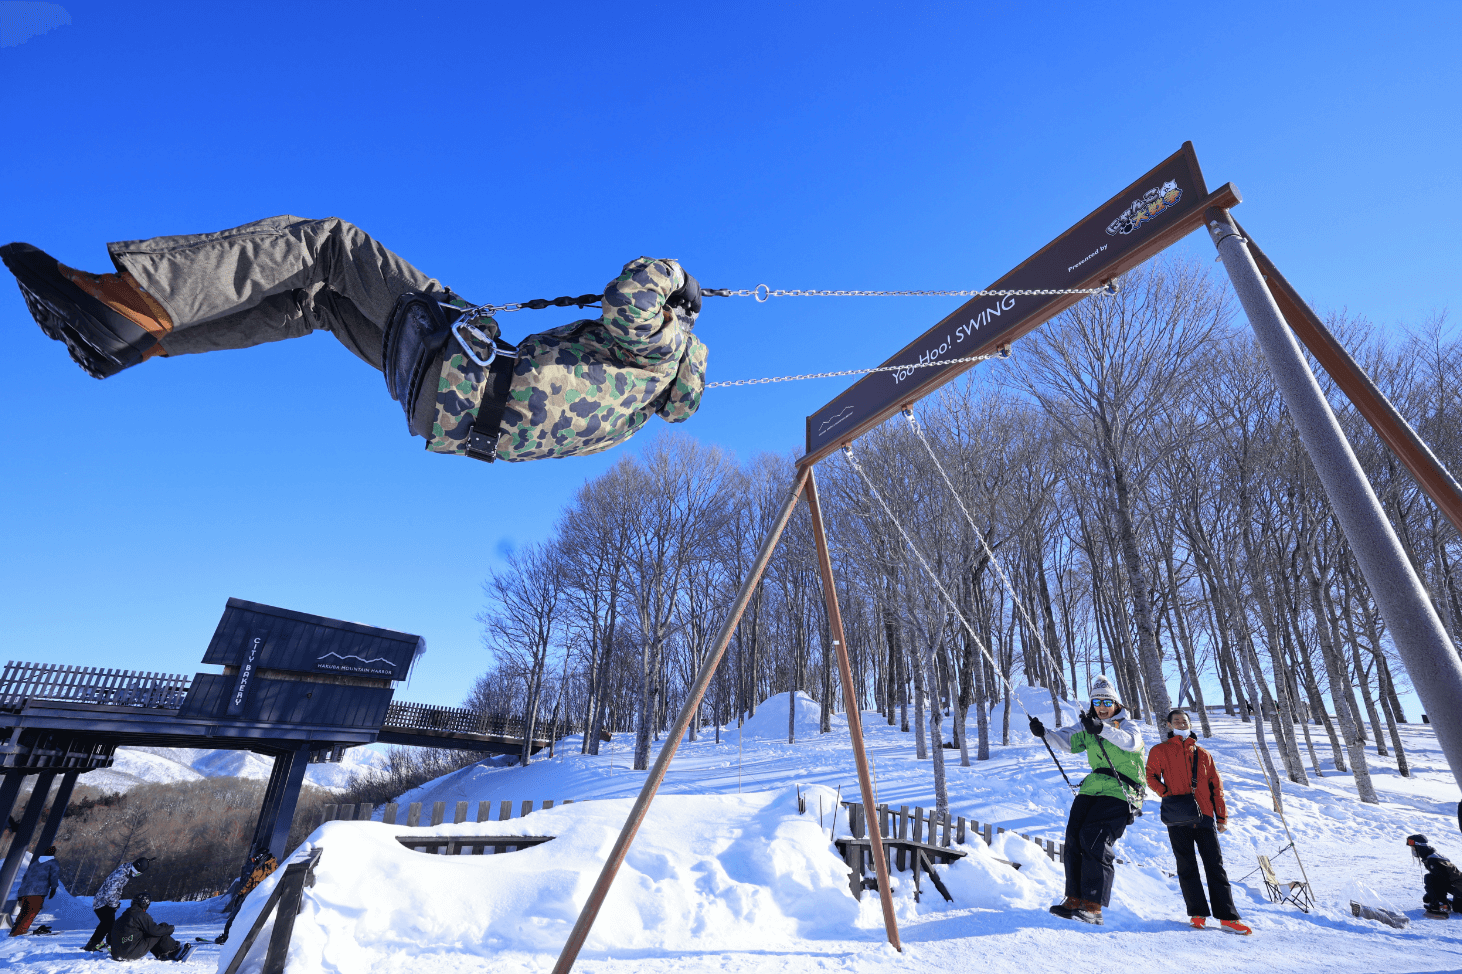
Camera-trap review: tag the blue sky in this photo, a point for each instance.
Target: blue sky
(528, 150)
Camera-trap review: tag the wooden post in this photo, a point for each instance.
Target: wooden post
(484, 811)
(903, 854)
(413, 815)
(366, 812)
(438, 812)
(390, 814)
(461, 814)
(585, 922)
(850, 705)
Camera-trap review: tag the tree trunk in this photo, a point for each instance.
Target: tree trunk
(1339, 686)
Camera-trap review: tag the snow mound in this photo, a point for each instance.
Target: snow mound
(133, 766)
(705, 873)
(1035, 701)
(770, 722)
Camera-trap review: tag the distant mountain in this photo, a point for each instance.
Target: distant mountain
(136, 765)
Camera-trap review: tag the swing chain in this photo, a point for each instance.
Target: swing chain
(763, 293)
(1003, 353)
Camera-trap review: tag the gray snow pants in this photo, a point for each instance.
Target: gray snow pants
(279, 278)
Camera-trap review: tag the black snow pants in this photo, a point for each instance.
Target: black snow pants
(1190, 842)
(105, 917)
(1092, 831)
(1436, 890)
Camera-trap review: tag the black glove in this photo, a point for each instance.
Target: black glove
(53, 895)
(1090, 724)
(687, 296)
(1038, 728)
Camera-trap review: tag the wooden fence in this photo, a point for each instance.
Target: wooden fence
(438, 814)
(90, 684)
(913, 824)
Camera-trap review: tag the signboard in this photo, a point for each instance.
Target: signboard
(253, 652)
(1147, 216)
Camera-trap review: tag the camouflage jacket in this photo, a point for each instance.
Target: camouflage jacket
(110, 893)
(588, 385)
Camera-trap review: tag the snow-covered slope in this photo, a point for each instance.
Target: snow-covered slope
(727, 876)
(135, 765)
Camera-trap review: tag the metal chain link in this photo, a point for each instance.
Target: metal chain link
(762, 293)
(829, 375)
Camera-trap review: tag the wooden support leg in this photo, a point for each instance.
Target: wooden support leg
(688, 712)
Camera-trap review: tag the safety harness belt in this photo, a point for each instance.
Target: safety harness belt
(482, 439)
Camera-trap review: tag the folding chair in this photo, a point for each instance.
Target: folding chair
(1291, 891)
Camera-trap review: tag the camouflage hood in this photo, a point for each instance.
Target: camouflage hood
(588, 385)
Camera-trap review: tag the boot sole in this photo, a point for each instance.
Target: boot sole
(99, 339)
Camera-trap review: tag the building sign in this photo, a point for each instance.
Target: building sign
(1168, 197)
(336, 662)
(244, 685)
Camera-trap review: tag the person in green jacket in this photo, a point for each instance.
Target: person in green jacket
(580, 388)
(1104, 805)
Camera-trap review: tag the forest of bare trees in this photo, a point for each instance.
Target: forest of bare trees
(1125, 495)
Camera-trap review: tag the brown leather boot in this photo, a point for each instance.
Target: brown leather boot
(1090, 912)
(1067, 908)
(124, 295)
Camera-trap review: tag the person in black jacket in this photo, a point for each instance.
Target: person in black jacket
(1442, 887)
(136, 934)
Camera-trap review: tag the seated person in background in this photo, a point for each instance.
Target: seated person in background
(1442, 887)
(136, 934)
(261, 866)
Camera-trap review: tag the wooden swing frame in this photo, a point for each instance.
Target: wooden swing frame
(1101, 250)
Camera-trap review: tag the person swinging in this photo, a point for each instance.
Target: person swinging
(573, 390)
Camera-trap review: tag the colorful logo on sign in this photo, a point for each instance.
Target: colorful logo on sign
(1153, 202)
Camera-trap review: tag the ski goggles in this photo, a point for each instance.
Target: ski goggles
(1103, 702)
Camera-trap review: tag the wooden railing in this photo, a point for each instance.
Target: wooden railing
(402, 715)
(90, 684)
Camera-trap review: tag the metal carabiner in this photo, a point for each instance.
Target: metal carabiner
(471, 352)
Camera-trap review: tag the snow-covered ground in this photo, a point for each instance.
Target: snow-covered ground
(727, 876)
(137, 765)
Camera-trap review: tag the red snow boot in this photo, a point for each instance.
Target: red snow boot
(1198, 922)
(1235, 926)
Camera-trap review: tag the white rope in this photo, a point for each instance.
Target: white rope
(954, 607)
(989, 552)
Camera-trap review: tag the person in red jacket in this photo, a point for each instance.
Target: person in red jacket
(1178, 766)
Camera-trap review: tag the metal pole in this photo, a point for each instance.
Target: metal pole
(1430, 658)
(855, 719)
(641, 808)
(59, 802)
(29, 819)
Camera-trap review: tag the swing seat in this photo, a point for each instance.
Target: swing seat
(1291, 891)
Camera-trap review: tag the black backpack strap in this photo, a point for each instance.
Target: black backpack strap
(1114, 773)
(482, 438)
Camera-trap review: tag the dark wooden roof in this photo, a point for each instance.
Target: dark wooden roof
(304, 643)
